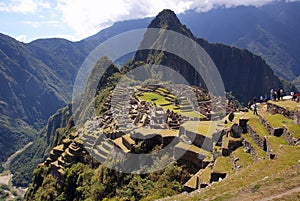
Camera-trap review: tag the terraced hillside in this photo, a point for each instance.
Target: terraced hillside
(263, 163)
(252, 156)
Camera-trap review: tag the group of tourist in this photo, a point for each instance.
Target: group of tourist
(276, 94)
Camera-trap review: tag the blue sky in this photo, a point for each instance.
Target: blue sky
(27, 20)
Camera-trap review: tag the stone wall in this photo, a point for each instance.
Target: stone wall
(200, 140)
(257, 139)
(289, 138)
(275, 109)
(271, 130)
(297, 117)
(169, 139)
(243, 124)
(270, 153)
(192, 157)
(234, 144)
(248, 148)
(215, 177)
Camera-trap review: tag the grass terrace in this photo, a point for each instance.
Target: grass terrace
(193, 148)
(260, 153)
(154, 98)
(276, 142)
(293, 129)
(256, 124)
(245, 159)
(278, 120)
(288, 104)
(206, 128)
(204, 175)
(223, 165)
(160, 101)
(253, 176)
(162, 132)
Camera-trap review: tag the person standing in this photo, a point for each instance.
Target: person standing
(281, 94)
(272, 94)
(255, 109)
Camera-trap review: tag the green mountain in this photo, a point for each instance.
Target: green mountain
(243, 73)
(70, 173)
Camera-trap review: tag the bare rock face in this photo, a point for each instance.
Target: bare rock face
(236, 131)
(243, 73)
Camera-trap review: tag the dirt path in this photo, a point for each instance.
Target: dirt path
(8, 161)
(288, 192)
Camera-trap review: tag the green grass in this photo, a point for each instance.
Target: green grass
(204, 175)
(192, 114)
(206, 128)
(245, 159)
(225, 141)
(149, 96)
(278, 120)
(274, 120)
(243, 179)
(276, 142)
(288, 104)
(256, 125)
(260, 153)
(223, 165)
(192, 148)
(293, 129)
(158, 100)
(192, 182)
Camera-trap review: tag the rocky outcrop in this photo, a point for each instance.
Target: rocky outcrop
(58, 120)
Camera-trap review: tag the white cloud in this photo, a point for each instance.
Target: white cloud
(36, 24)
(22, 38)
(19, 6)
(24, 6)
(89, 16)
(44, 4)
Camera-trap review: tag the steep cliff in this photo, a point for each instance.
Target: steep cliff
(244, 74)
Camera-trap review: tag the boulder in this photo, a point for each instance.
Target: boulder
(236, 131)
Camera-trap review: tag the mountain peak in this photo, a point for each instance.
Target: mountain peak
(167, 19)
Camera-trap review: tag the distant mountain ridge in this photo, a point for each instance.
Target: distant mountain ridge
(270, 31)
(244, 74)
